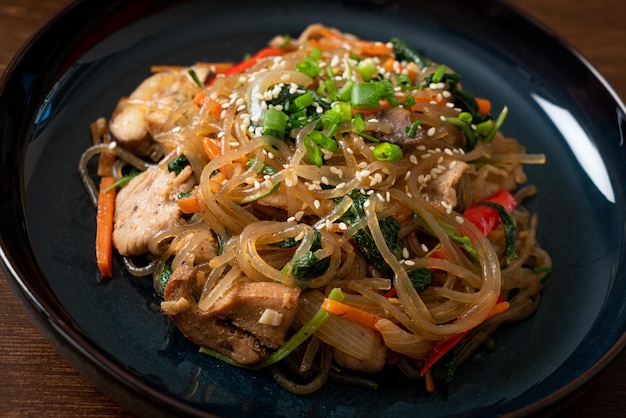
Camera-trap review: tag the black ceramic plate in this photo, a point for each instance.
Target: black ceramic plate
(81, 63)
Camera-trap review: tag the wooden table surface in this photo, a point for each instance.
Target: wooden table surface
(36, 381)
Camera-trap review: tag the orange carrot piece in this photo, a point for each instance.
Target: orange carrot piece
(484, 105)
(429, 381)
(104, 227)
(211, 149)
(347, 311)
(374, 48)
(214, 108)
(189, 204)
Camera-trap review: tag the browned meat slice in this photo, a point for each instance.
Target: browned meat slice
(442, 188)
(144, 207)
(243, 324)
(398, 119)
(138, 118)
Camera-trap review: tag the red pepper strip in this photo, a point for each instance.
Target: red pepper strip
(244, 65)
(441, 347)
(485, 218)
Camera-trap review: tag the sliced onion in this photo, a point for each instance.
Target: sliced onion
(348, 336)
(401, 341)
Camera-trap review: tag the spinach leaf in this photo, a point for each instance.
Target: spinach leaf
(178, 164)
(420, 278)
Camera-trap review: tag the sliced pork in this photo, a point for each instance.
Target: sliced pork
(243, 324)
(145, 206)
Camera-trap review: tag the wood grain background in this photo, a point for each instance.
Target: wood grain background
(36, 381)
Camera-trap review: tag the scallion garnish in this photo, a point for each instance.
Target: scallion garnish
(304, 100)
(274, 123)
(367, 68)
(386, 151)
(438, 75)
(313, 151)
(366, 95)
(412, 130)
(195, 77)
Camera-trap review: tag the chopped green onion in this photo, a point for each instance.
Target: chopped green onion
(195, 77)
(366, 96)
(344, 109)
(438, 75)
(304, 100)
(412, 130)
(404, 81)
(358, 122)
(345, 92)
(313, 151)
(315, 54)
(465, 117)
(386, 151)
(329, 88)
(408, 101)
(484, 127)
(323, 140)
(309, 68)
(497, 125)
(274, 123)
(331, 118)
(367, 68)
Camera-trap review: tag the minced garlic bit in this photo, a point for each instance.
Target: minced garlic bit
(271, 317)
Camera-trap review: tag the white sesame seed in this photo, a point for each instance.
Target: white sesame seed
(459, 219)
(407, 175)
(288, 182)
(410, 262)
(324, 180)
(413, 159)
(431, 131)
(316, 204)
(343, 226)
(366, 204)
(425, 248)
(291, 219)
(405, 252)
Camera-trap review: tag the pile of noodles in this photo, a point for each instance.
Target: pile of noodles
(463, 291)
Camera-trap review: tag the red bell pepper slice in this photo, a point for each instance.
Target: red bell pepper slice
(244, 65)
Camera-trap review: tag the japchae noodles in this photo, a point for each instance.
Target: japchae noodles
(326, 186)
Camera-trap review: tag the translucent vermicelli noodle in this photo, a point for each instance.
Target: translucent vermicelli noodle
(327, 186)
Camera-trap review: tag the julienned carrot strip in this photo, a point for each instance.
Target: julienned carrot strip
(440, 348)
(211, 149)
(484, 105)
(374, 48)
(347, 311)
(189, 204)
(213, 107)
(430, 383)
(104, 227)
